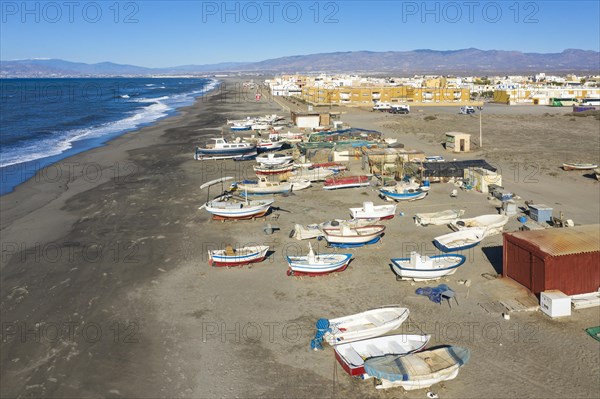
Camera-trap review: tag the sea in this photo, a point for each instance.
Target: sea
(43, 121)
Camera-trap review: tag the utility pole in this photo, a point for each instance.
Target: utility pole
(480, 131)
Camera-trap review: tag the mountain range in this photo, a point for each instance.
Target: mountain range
(463, 62)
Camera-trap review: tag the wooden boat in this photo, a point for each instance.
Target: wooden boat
(305, 232)
(315, 265)
(579, 166)
(273, 169)
(351, 356)
(438, 218)
(403, 192)
(221, 149)
(228, 208)
(264, 186)
(240, 126)
(316, 174)
(272, 159)
(237, 257)
(459, 240)
(370, 211)
(369, 324)
(417, 370)
(354, 236)
(334, 183)
(265, 145)
(493, 224)
(421, 268)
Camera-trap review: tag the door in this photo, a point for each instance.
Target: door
(462, 145)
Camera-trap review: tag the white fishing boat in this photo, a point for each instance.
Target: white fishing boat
(237, 256)
(417, 370)
(313, 174)
(305, 232)
(272, 159)
(493, 224)
(314, 265)
(579, 166)
(438, 218)
(369, 324)
(459, 240)
(353, 236)
(221, 149)
(351, 356)
(226, 207)
(273, 169)
(264, 186)
(421, 268)
(334, 183)
(404, 192)
(370, 211)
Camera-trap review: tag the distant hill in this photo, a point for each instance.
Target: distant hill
(466, 61)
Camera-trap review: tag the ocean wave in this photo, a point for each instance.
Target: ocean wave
(63, 141)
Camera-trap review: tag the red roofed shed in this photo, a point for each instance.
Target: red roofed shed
(565, 259)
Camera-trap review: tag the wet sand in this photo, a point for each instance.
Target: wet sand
(106, 290)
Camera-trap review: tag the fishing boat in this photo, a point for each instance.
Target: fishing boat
(351, 356)
(313, 174)
(369, 324)
(459, 240)
(403, 192)
(370, 211)
(493, 224)
(345, 236)
(272, 159)
(305, 232)
(273, 169)
(237, 257)
(240, 126)
(438, 218)
(264, 186)
(417, 370)
(226, 207)
(334, 183)
(315, 265)
(421, 268)
(221, 149)
(579, 166)
(266, 145)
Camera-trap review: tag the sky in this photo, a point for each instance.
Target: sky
(162, 34)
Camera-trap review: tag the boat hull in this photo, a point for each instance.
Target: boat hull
(403, 270)
(351, 355)
(238, 212)
(346, 182)
(403, 196)
(577, 166)
(299, 266)
(219, 259)
(460, 240)
(361, 235)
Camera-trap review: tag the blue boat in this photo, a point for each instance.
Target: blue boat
(404, 192)
(459, 240)
(221, 149)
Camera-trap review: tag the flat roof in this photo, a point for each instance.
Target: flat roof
(560, 241)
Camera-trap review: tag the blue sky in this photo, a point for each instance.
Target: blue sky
(160, 33)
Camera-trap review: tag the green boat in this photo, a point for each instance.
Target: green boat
(594, 332)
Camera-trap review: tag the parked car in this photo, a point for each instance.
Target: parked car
(399, 109)
(382, 107)
(466, 110)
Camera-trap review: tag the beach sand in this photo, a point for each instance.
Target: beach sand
(106, 289)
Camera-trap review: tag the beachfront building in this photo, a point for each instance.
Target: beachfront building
(366, 96)
(542, 95)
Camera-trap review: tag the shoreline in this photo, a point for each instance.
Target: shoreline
(125, 255)
(32, 169)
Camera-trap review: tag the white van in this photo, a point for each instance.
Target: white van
(382, 107)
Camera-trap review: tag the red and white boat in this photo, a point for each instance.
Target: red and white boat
(351, 356)
(370, 211)
(269, 145)
(334, 183)
(274, 169)
(237, 257)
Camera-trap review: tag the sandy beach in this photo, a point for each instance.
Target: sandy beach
(106, 290)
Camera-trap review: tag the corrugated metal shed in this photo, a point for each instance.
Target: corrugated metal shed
(565, 241)
(453, 169)
(565, 259)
